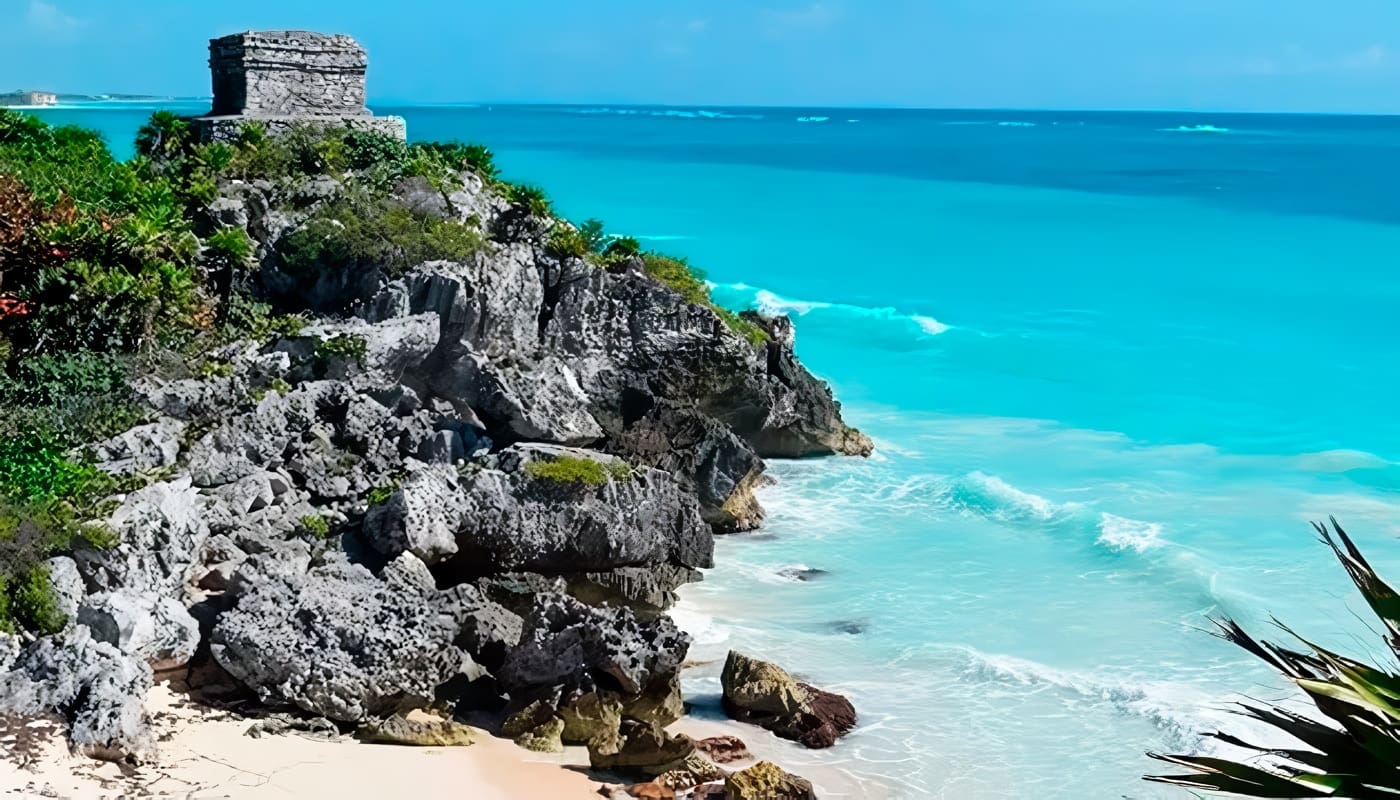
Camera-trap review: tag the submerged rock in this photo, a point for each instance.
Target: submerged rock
(765, 694)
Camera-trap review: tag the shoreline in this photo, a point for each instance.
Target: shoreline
(204, 753)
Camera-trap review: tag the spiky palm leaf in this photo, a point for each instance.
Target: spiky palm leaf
(1352, 749)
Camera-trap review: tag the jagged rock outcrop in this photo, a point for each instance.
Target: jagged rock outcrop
(765, 694)
(493, 472)
(99, 689)
(155, 629)
(340, 642)
(496, 516)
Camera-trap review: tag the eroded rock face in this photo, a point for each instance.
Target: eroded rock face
(161, 530)
(647, 749)
(341, 642)
(568, 643)
(100, 690)
(765, 694)
(500, 518)
(155, 629)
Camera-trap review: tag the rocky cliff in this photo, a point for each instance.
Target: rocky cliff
(475, 482)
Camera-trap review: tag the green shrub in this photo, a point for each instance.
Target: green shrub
(593, 234)
(623, 247)
(100, 251)
(1345, 745)
(342, 347)
(689, 283)
(365, 232)
(246, 318)
(314, 525)
(230, 245)
(34, 466)
(381, 494)
(33, 603)
(565, 242)
(457, 156)
(678, 275)
(531, 199)
(166, 135)
(572, 470)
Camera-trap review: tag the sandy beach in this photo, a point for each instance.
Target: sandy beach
(206, 754)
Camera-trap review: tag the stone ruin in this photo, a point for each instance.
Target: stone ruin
(288, 78)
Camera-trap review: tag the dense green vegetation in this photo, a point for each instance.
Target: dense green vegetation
(572, 470)
(109, 268)
(1349, 746)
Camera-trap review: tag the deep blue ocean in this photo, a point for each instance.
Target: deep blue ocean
(1113, 363)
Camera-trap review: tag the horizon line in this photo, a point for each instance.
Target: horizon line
(401, 102)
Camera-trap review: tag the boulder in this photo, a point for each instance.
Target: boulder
(646, 750)
(543, 738)
(161, 530)
(567, 643)
(100, 690)
(339, 641)
(696, 770)
(10, 646)
(143, 448)
(765, 694)
(417, 731)
(767, 781)
(155, 629)
(724, 749)
(422, 517)
(514, 520)
(66, 584)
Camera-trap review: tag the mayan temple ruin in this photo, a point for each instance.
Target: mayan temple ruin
(287, 78)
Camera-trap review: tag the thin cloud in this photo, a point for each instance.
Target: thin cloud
(50, 20)
(1372, 58)
(813, 16)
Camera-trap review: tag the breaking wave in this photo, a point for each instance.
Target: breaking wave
(1195, 129)
(676, 113)
(742, 295)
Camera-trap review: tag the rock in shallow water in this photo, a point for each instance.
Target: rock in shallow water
(765, 694)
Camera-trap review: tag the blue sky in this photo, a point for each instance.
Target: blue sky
(1252, 55)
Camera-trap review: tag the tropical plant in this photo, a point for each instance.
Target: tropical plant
(1351, 746)
(530, 198)
(475, 157)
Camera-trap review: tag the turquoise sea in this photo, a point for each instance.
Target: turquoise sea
(1113, 363)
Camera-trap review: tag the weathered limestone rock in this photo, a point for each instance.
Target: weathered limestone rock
(544, 738)
(768, 781)
(647, 749)
(422, 517)
(765, 694)
(566, 643)
(66, 583)
(161, 529)
(155, 629)
(340, 642)
(145, 447)
(100, 691)
(417, 731)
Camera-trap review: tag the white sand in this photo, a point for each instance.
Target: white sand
(205, 754)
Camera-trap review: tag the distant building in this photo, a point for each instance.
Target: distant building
(28, 99)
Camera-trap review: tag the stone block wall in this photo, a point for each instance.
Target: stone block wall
(288, 73)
